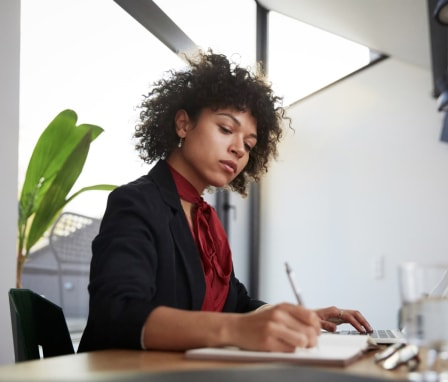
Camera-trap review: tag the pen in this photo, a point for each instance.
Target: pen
(290, 274)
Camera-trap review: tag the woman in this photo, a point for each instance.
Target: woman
(161, 272)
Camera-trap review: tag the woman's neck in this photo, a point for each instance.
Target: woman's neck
(179, 164)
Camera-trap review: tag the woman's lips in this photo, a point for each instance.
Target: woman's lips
(230, 166)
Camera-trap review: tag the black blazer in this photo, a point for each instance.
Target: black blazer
(143, 257)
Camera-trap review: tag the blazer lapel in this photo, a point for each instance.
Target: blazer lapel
(181, 233)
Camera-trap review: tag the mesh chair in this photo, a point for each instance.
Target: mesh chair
(36, 322)
(71, 236)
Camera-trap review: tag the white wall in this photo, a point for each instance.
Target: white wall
(9, 111)
(363, 176)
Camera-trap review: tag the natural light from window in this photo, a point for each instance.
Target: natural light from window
(304, 59)
(94, 58)
(215, 24)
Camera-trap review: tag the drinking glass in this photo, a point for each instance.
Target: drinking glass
(424, 315)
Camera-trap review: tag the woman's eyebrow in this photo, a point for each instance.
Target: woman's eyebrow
(234, 119)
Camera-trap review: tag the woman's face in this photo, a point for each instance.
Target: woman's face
(216, 147)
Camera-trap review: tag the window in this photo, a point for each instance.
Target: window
(303, 59)
(227, 27)
(92, 57)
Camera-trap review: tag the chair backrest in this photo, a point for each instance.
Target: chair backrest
(36, 322)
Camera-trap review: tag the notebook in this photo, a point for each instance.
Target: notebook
(335, 350)
(380, 336)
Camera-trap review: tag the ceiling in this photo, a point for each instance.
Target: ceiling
(402, 29)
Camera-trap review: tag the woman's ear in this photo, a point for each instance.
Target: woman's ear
(182, 121)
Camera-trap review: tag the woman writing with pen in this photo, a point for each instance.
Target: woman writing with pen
(161, 274)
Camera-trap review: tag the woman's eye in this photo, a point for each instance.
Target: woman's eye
(225, 130)
(248, 147)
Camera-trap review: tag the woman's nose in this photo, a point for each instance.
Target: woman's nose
(237, 148)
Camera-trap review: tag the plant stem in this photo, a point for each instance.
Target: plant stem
(20, 263)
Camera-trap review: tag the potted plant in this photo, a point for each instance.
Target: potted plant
(55, 164)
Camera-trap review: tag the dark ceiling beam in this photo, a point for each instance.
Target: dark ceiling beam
(262, 36)
(439, 47)
(254, 191)
(148, 14)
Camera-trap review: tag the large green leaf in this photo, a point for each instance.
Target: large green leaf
(55, 165)
(54, 197)
(58, 141)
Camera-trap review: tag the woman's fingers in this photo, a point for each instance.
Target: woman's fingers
(357, 320)
(333, 316)
(282, 327)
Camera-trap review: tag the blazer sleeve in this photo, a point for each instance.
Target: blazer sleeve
(123, 269)
(238, 299)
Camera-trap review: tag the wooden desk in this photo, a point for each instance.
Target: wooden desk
(129, 365)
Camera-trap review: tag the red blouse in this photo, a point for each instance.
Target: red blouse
(212, 242)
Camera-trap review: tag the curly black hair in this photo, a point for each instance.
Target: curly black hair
(211, 81)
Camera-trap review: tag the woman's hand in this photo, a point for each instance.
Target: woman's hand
(331, 317)
(281, 327)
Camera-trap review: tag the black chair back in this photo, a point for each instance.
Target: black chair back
(36, 322)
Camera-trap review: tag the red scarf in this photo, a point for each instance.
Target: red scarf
(212, 242)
